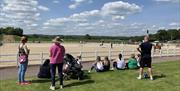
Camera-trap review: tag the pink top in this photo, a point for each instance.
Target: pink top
(57, 52)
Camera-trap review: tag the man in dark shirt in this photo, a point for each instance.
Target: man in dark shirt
(145, 50)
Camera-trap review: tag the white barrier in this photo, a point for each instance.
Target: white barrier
(89, 56)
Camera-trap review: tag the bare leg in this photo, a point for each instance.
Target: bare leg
(150, 73)
(140, 73)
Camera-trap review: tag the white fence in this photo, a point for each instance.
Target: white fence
(38, 58)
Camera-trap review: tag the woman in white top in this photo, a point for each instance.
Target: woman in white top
(98, 65)
(119, 63)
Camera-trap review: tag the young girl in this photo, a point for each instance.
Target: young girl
(106, 63)
(98, 65)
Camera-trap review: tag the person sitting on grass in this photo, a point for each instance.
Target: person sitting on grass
(98, 65)
(119, 64)
(45, 70)
(106, 63)
(132, 62)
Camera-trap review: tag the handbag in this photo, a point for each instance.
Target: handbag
(22, 58)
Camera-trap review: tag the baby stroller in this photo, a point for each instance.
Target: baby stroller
(72, 68)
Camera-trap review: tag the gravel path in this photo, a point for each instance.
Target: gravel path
(11, 72)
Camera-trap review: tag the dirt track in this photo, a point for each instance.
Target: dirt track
(11, 72)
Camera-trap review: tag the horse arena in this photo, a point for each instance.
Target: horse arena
(89, 51)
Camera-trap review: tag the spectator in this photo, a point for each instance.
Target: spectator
(145, 50)
(119, 64)
(98, 65)
(57, 52)
(106, 63)
(23, 60)
(132, 62)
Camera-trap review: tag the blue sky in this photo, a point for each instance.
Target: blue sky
(94, 17)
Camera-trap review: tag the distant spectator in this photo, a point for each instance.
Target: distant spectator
(106, 63)
(119, 63)
(98, 65)
(132, 62)
(45, 70)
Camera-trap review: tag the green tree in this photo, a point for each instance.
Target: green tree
(162, 35)
(87, 37)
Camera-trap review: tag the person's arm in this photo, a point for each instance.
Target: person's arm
(50, 54)
(139, 48)
(26, 49)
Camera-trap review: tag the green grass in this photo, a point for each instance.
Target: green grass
(167, 78)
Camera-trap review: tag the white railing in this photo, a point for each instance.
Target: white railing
(38, 58)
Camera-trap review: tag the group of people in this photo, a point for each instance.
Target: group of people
(119, 64)
(57, 55)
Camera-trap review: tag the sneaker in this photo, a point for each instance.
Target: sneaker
(52, 87)
(89, 71)
(61, 86)
(19, 83)
(151, 78)
(25, 83)
(139, 78)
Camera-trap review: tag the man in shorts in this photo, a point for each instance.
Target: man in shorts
(145, 61)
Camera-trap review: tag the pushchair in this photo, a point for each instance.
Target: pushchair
(72, 68)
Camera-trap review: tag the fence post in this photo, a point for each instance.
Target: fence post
(96, 54)
(168, 52)
(160, 52)
(122, 52)
(17, 59)
(174, 52)
(41, 54)
(110, 53)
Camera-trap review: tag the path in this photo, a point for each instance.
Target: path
(11, 72)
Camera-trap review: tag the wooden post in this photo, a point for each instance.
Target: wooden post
(41, 54)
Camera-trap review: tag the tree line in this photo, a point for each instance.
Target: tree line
(11, 31)
(161, 35)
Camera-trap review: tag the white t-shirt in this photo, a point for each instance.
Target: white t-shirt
(100, 65)
(121, 64)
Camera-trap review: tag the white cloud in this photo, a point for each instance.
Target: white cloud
(43, 8)
(77, 3)
(55, 1)
(96, 22)
(20, 13)
(171, 1)
(174, 24)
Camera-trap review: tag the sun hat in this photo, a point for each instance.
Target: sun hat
(57, 39)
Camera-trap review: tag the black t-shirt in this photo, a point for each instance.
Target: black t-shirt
(146, 48)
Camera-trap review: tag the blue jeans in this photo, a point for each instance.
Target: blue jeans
(53, 73)
(22, 71)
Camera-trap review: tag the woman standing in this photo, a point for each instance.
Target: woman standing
(57, 52)
(23, 60)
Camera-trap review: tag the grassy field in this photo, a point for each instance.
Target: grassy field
(167, 78)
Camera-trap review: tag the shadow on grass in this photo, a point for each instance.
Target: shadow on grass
(80, 83)
(159, 76)
(43, 80)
